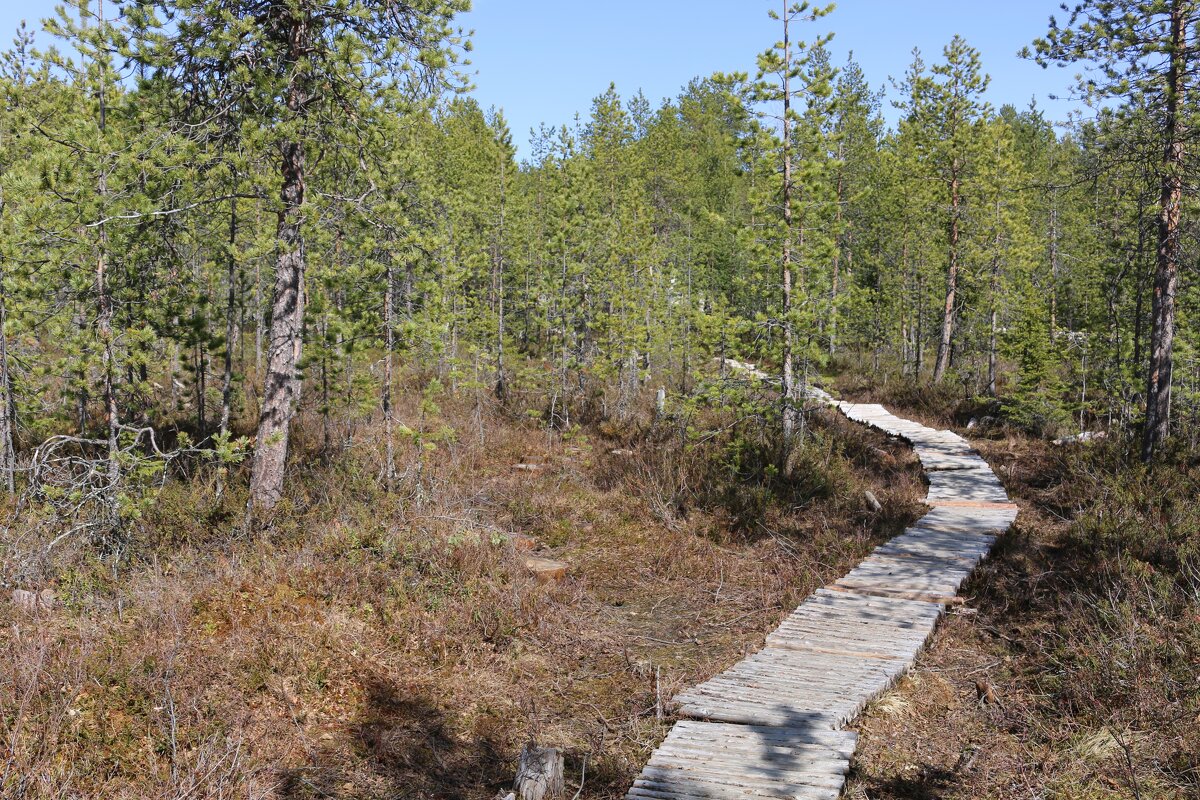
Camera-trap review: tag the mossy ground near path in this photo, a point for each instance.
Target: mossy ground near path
(773, 724)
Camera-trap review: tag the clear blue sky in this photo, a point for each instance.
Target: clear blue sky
(544, 60)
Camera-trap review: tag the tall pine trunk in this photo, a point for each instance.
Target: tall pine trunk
(104, 327)
(837, 260)
(389, 332)
(790, 411)
(281, 385)
(994, 291)
(231, 320)
(1054, 265)
(8, 452)
(1162, 301)
(947, 337)
(500, 386)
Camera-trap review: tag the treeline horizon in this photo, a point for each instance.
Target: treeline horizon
(218, 214)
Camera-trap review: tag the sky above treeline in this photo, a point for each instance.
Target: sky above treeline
(542, 61)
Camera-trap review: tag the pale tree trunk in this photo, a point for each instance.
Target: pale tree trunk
(8, 453)
(326, 430)
(1162, 330)
(8, 406)
(104, 328)
(837, 255)
(790, 411)
(947, 337)
(991, 389)
(687, 325)
(1054, 265)
(389, 328)
(919, 350)
(258, 318)
(1139, 296)
(501, 381)
(994, 290)
(104, 320)
(563, 387)
(231, 327)
(200, 362)
(281, 385)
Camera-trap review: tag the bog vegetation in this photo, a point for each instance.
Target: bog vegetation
(280, 309)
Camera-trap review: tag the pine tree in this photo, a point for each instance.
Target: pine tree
(1144, 51)
(315, 66)
(782, 78)
(943, 111)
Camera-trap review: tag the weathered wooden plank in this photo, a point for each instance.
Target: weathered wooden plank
(882, 564)
(763, 774)
(806, 697)
(878, 590)
(928, 555)
(767, 684)
(878, 643)
(852, 627)
(818, 665)
(966, 541)
(756, 714)
(747, 735)
(684, 749)
(850, 630)
(758, 774)
(680, 790)
(881, 649)
(875, 605)
(761, 689)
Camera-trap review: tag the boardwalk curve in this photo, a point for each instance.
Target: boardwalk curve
(772, 725)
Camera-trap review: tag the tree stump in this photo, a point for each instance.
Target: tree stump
(539, 774)
(546, 570)
(32, 602)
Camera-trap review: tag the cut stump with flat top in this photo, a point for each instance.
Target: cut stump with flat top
(546, 570)
(540, 774)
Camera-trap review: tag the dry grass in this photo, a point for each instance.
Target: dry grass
(372, 646)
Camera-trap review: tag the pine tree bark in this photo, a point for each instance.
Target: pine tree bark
(500, 386)
(1054, 265)
(258, 316)
(994, 291)
(200, 362)
(231, 327)
(389, 328)
(8, 452)
(1162, 301)
(104, 319)
(790, 411)
(281, 385)
(837, 256)
(947, 337)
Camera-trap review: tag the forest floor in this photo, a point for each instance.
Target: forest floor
(373, 646)
(377, 647)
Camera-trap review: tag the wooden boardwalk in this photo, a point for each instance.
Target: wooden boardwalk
(772, 724)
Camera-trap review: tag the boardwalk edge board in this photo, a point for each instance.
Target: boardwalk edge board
(772, 725)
